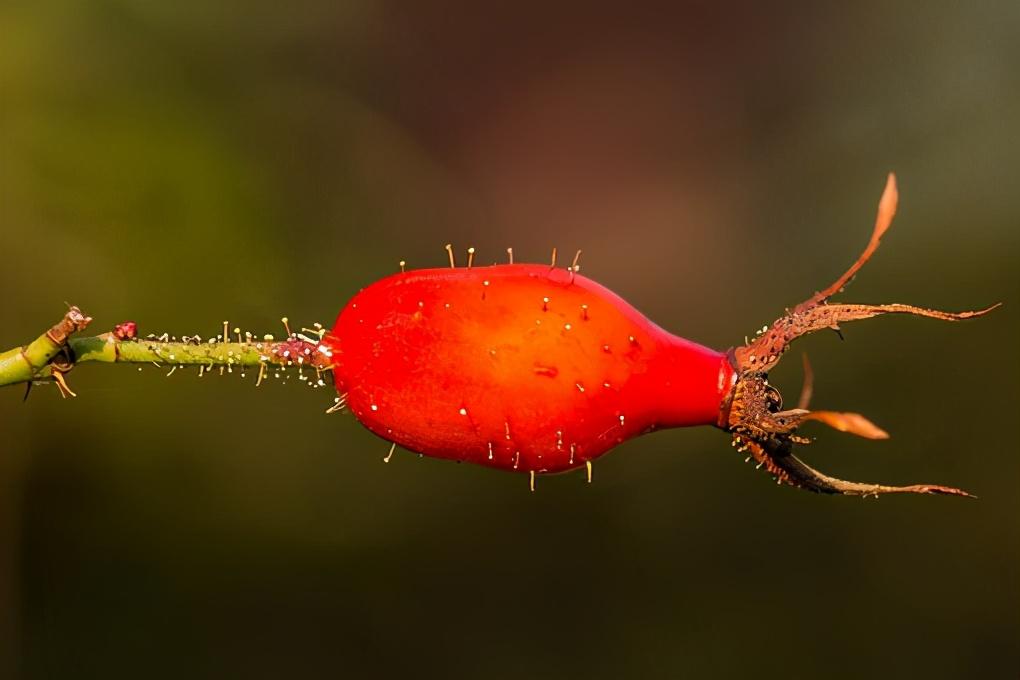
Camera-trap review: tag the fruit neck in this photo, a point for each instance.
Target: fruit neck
(693, 382)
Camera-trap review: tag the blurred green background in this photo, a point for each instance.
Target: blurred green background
(178, 164)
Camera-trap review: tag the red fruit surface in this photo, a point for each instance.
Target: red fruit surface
(519, 367)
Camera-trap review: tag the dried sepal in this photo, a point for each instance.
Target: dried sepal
(852, 423)
(752, 411)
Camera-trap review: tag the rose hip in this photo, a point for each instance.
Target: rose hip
(520, 367)
(538, 369)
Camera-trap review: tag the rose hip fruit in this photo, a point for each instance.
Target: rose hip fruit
(538, 369)
(520, 367)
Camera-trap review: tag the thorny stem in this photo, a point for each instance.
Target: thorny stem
(55, 353)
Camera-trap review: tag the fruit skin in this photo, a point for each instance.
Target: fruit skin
(519, 367)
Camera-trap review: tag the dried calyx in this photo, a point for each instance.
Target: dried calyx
(753, 410)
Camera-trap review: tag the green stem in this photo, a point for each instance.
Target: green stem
(109, 350)
(53, 353)
(22, 364)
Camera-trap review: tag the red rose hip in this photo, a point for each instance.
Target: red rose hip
(520, 367)
(537, 369)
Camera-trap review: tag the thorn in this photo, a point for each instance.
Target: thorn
(510, 254)
(553, 263)
(471, 257)
(28, 388)
(449, 251)
(262, 374)
(393, 447)
(171, 371)
(403, 266)
(587, 465)
(316, 330)
(286, 326)
(574, 266)
(65, 391)
(532, 483)
(226, 332)
(338, 406)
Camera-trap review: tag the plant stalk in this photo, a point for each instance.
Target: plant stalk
(55, 353)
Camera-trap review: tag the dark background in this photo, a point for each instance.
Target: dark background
(179, 164)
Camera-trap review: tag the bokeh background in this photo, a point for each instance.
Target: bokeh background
(182, 163)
